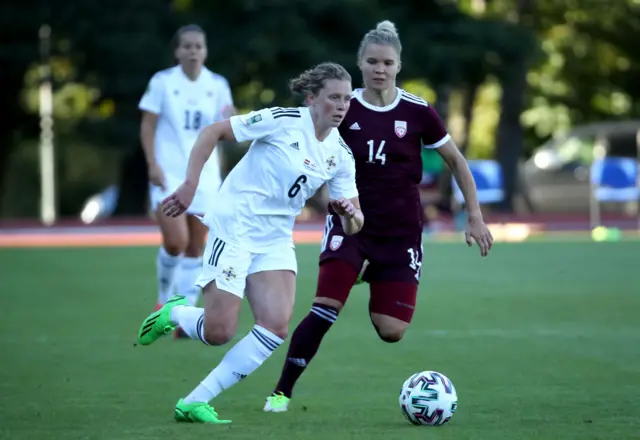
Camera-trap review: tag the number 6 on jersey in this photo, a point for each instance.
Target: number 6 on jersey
(295, 189)
(379, 155)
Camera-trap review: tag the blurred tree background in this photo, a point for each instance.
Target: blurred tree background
(505, 74)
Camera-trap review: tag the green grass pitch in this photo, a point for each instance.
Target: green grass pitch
(542, 341)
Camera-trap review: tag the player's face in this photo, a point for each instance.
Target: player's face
(192, 50)
(380, 66)
(332, 102)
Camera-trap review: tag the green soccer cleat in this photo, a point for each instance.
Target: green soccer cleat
(277, 402)
(198, 412)
(159, 323)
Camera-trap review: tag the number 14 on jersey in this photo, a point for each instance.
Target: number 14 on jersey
(376, 153)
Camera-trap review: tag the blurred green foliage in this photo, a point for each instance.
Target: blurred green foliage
(582, 65)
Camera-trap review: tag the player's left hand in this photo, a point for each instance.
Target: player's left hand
(343, 207)
(478, 231)
(178, 202)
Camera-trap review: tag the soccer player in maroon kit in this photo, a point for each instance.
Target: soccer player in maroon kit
(385, 127)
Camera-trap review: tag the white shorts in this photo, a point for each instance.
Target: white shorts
(229, 266)
(205, 192)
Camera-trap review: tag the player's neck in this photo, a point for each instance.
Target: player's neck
(192, 74)
(380, 98)
(321, 130)
(322, 133)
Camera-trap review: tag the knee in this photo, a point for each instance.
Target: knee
(174, 245)
(277, 326)
(193, 250)
(389, 329)
(330, 302)
(218, 333)
(390, 335)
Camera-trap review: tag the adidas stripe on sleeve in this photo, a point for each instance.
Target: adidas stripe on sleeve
(262, 123)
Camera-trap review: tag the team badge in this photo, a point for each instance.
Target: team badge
(253, 120)
(336, 242)
(331, 163)
(400, 128)
(229, 274)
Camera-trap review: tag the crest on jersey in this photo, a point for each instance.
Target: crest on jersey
(229, 274)
(331, 163)
(253, 120)
(336, 242)
(400, 127)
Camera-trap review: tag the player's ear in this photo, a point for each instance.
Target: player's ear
(399, 66)
(309, 99)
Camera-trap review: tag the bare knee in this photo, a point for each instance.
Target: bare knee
(194, 246)
(174, 245)
(329, 302)
(218, 333)
(193, 250)
(221, 311)
(279, 326)
(389, 329)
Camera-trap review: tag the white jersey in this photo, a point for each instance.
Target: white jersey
(256, 206)
(184, 107)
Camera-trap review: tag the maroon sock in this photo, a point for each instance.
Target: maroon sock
(304, 344)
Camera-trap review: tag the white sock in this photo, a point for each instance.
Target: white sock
(191, 321)
(166, 269)
(239, 362)
(190, 268)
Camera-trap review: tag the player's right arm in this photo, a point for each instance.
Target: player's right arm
(254, 125)
(151, 106)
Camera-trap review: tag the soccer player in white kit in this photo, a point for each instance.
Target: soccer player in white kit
(250, 247)
(178, 104)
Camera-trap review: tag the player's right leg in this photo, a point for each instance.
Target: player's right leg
(223, 280)
(270, 289)
(339, 268)
(175, 235)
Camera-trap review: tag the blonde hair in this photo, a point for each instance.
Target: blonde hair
(311, 81)
(385, 34)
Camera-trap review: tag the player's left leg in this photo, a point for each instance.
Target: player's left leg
(391, 308)
(393, 282)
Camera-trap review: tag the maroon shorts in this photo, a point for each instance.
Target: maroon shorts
(395, 259)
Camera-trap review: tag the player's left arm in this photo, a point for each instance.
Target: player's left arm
(350, 214)
(459, 167)
(435, 136)
(343, 193)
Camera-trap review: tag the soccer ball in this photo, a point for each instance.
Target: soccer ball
(428, 398)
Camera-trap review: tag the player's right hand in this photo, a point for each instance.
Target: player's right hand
(178, 202)
(156, 175)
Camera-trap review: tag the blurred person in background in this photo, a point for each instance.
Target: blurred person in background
(178, 103)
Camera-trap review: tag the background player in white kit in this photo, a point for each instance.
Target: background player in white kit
(178, 104)
(250, 244)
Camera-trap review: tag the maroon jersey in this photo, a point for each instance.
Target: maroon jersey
(386, 143)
